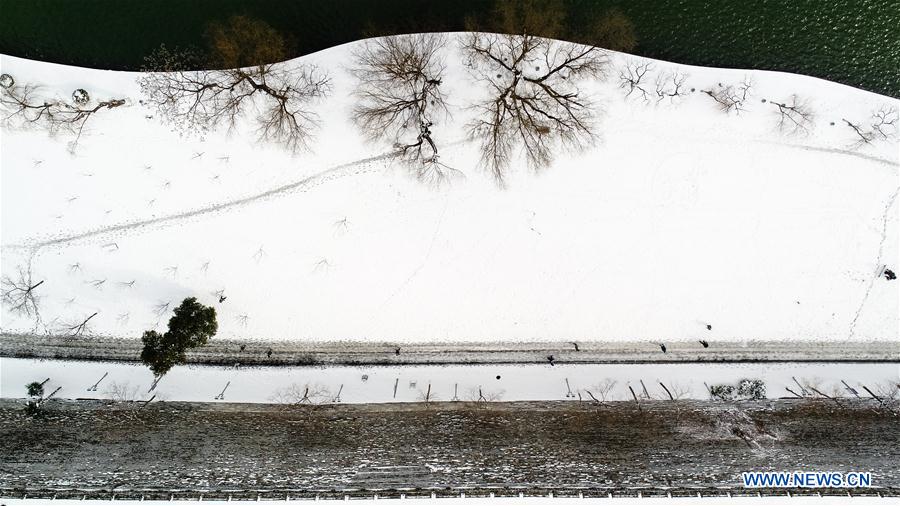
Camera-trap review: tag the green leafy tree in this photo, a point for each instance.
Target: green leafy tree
(192, 325)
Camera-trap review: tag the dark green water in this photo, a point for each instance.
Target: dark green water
(856, 42)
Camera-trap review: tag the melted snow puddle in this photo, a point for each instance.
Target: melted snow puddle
(380, 384)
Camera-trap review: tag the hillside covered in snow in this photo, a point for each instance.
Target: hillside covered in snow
(680, 220)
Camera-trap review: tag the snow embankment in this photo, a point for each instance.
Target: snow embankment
(681, 218)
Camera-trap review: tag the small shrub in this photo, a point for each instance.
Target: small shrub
(81, 97)
(722, 392)
(35, 389)
(751, 389)
(7, 81)
(33, 408)
(746, 390)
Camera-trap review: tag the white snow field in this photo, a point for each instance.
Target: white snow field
(384, 384)
(682, 216)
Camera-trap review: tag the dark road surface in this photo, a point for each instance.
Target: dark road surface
(98, 449)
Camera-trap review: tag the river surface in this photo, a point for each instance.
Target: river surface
(854, 42)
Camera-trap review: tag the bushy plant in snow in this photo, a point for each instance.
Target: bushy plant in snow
(751, 389)
(722, 392)
(35, 389)
(81, 96)
(192, 325)
(746, 389)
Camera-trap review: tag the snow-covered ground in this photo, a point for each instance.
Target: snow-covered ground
(382, 384)
(681, 217)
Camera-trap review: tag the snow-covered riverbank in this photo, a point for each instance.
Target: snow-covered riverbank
(683, 222)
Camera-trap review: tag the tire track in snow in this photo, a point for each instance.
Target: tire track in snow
(876, 274)
(845, 152)
(344, 170)
(415, 272)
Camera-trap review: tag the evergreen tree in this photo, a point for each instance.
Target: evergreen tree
(192, 325)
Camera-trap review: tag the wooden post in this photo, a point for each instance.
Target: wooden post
(635, 397)
(644, 387)
(850, 389)
(667, 391)
(148, 401)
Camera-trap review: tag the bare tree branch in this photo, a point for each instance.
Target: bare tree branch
(603, 390)
(731, 98)
(203, 101)
(670, 85)
(23, 108)
(78, 329)
(883, 126)
(862, 134)
(533, 97)
(632, 79)
(480, 395)
(795, 116)
(18, 294)
(884, 123)
(400, 97)
(296, 394)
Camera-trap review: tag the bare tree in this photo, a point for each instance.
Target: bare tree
(427, 395)
(884, 123)
(889, 390)
(161, 308)
(675, 390)
(78, 328)
(306, 394)
(633, 79)
(22, 107)
(18, 294)
(278, 96)
(670, 85)
(533, 96)
(400, 96)
(126, 398)
(731, 98)
(886, 394)
(795, 116)
(600, 393)
(480, 395)
(883, 126)
(862, 135)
